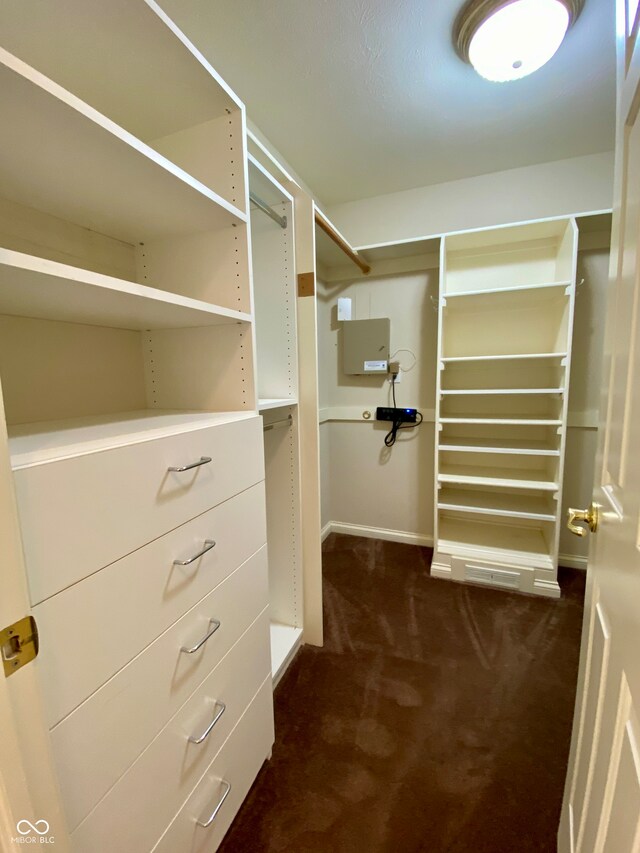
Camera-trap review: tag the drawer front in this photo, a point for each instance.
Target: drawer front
(95, 744)
(82, 513)
(137, 810)
(237, 763)
(502, 575)
(121, 609)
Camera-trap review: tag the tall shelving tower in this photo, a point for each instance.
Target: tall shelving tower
(504, 353)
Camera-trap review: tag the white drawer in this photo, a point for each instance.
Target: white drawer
(121, 609)
(137, 810)
(502, 575)
(237, 763)
(97, 742)
(82, 513)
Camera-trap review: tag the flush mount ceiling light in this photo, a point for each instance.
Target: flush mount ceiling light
(508, 39)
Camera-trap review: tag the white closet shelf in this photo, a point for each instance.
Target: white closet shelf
(490, 541)
(523, 420)
(35, 287)
(63, 157)
(514, 478)
(275, 403)
(532, 292)
(125, 83)
(477, 392)
(285, 640)
(33, 444)
(490, 359)
(497, 504)
(517, 447)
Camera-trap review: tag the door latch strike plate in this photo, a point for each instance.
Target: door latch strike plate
(18, 644)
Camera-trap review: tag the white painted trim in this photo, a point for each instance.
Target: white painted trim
(355, 413)
(408, 538)
(401, 536)
(576, 420)
(440, 571)
(277, 164)
(550, 589)
(408, 241)
(573, 562)
(268, 176)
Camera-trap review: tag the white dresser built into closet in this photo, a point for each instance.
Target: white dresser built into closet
(504, 354)
(127, 369)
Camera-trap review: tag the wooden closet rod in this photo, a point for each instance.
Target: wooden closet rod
(264, 207)
(337, 238)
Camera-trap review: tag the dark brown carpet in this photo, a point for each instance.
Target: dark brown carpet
(436, 718)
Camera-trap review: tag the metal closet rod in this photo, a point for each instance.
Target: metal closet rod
(264, 207)
(277, 424)
(339, 240)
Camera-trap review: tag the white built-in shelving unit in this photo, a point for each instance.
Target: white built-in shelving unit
(123, 217)
(274, 278)
(505, 324)
(128, 378)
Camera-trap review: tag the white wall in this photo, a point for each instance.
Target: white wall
(560, 188)
(368, 484)
(365, 485)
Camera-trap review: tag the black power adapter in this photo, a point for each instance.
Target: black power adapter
(402, 416)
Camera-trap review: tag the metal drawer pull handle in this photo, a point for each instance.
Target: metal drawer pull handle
(200, 644)
(208, 545)
(205, 734)
(203, 461)
(212, 816)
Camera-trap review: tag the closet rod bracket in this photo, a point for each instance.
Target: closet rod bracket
(264, 207)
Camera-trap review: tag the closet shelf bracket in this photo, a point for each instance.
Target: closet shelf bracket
(285, 422)
(264, 207)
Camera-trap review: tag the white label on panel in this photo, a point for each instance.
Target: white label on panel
(375, 365)
(344, 308)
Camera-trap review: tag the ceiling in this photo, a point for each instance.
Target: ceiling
(365, 97)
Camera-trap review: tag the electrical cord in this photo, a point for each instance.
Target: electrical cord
(411, 353)
(397, 425)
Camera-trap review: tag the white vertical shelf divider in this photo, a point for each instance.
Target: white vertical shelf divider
(506, 309)
(274, 280)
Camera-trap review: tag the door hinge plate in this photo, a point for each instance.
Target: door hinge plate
(18, 644)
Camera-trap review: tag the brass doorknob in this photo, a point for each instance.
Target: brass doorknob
(590, 516)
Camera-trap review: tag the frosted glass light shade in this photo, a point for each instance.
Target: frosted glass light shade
(508, 40)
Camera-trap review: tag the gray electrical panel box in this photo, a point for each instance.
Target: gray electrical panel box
(365, 346)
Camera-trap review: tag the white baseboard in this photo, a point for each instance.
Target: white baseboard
(572, 562)
(380, 533)
(551, 589)
(439, 571)
(407, 538)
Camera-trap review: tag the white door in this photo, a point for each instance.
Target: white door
(30, 810)
(601, 808)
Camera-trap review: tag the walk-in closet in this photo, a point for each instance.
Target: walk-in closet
(317, 378)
